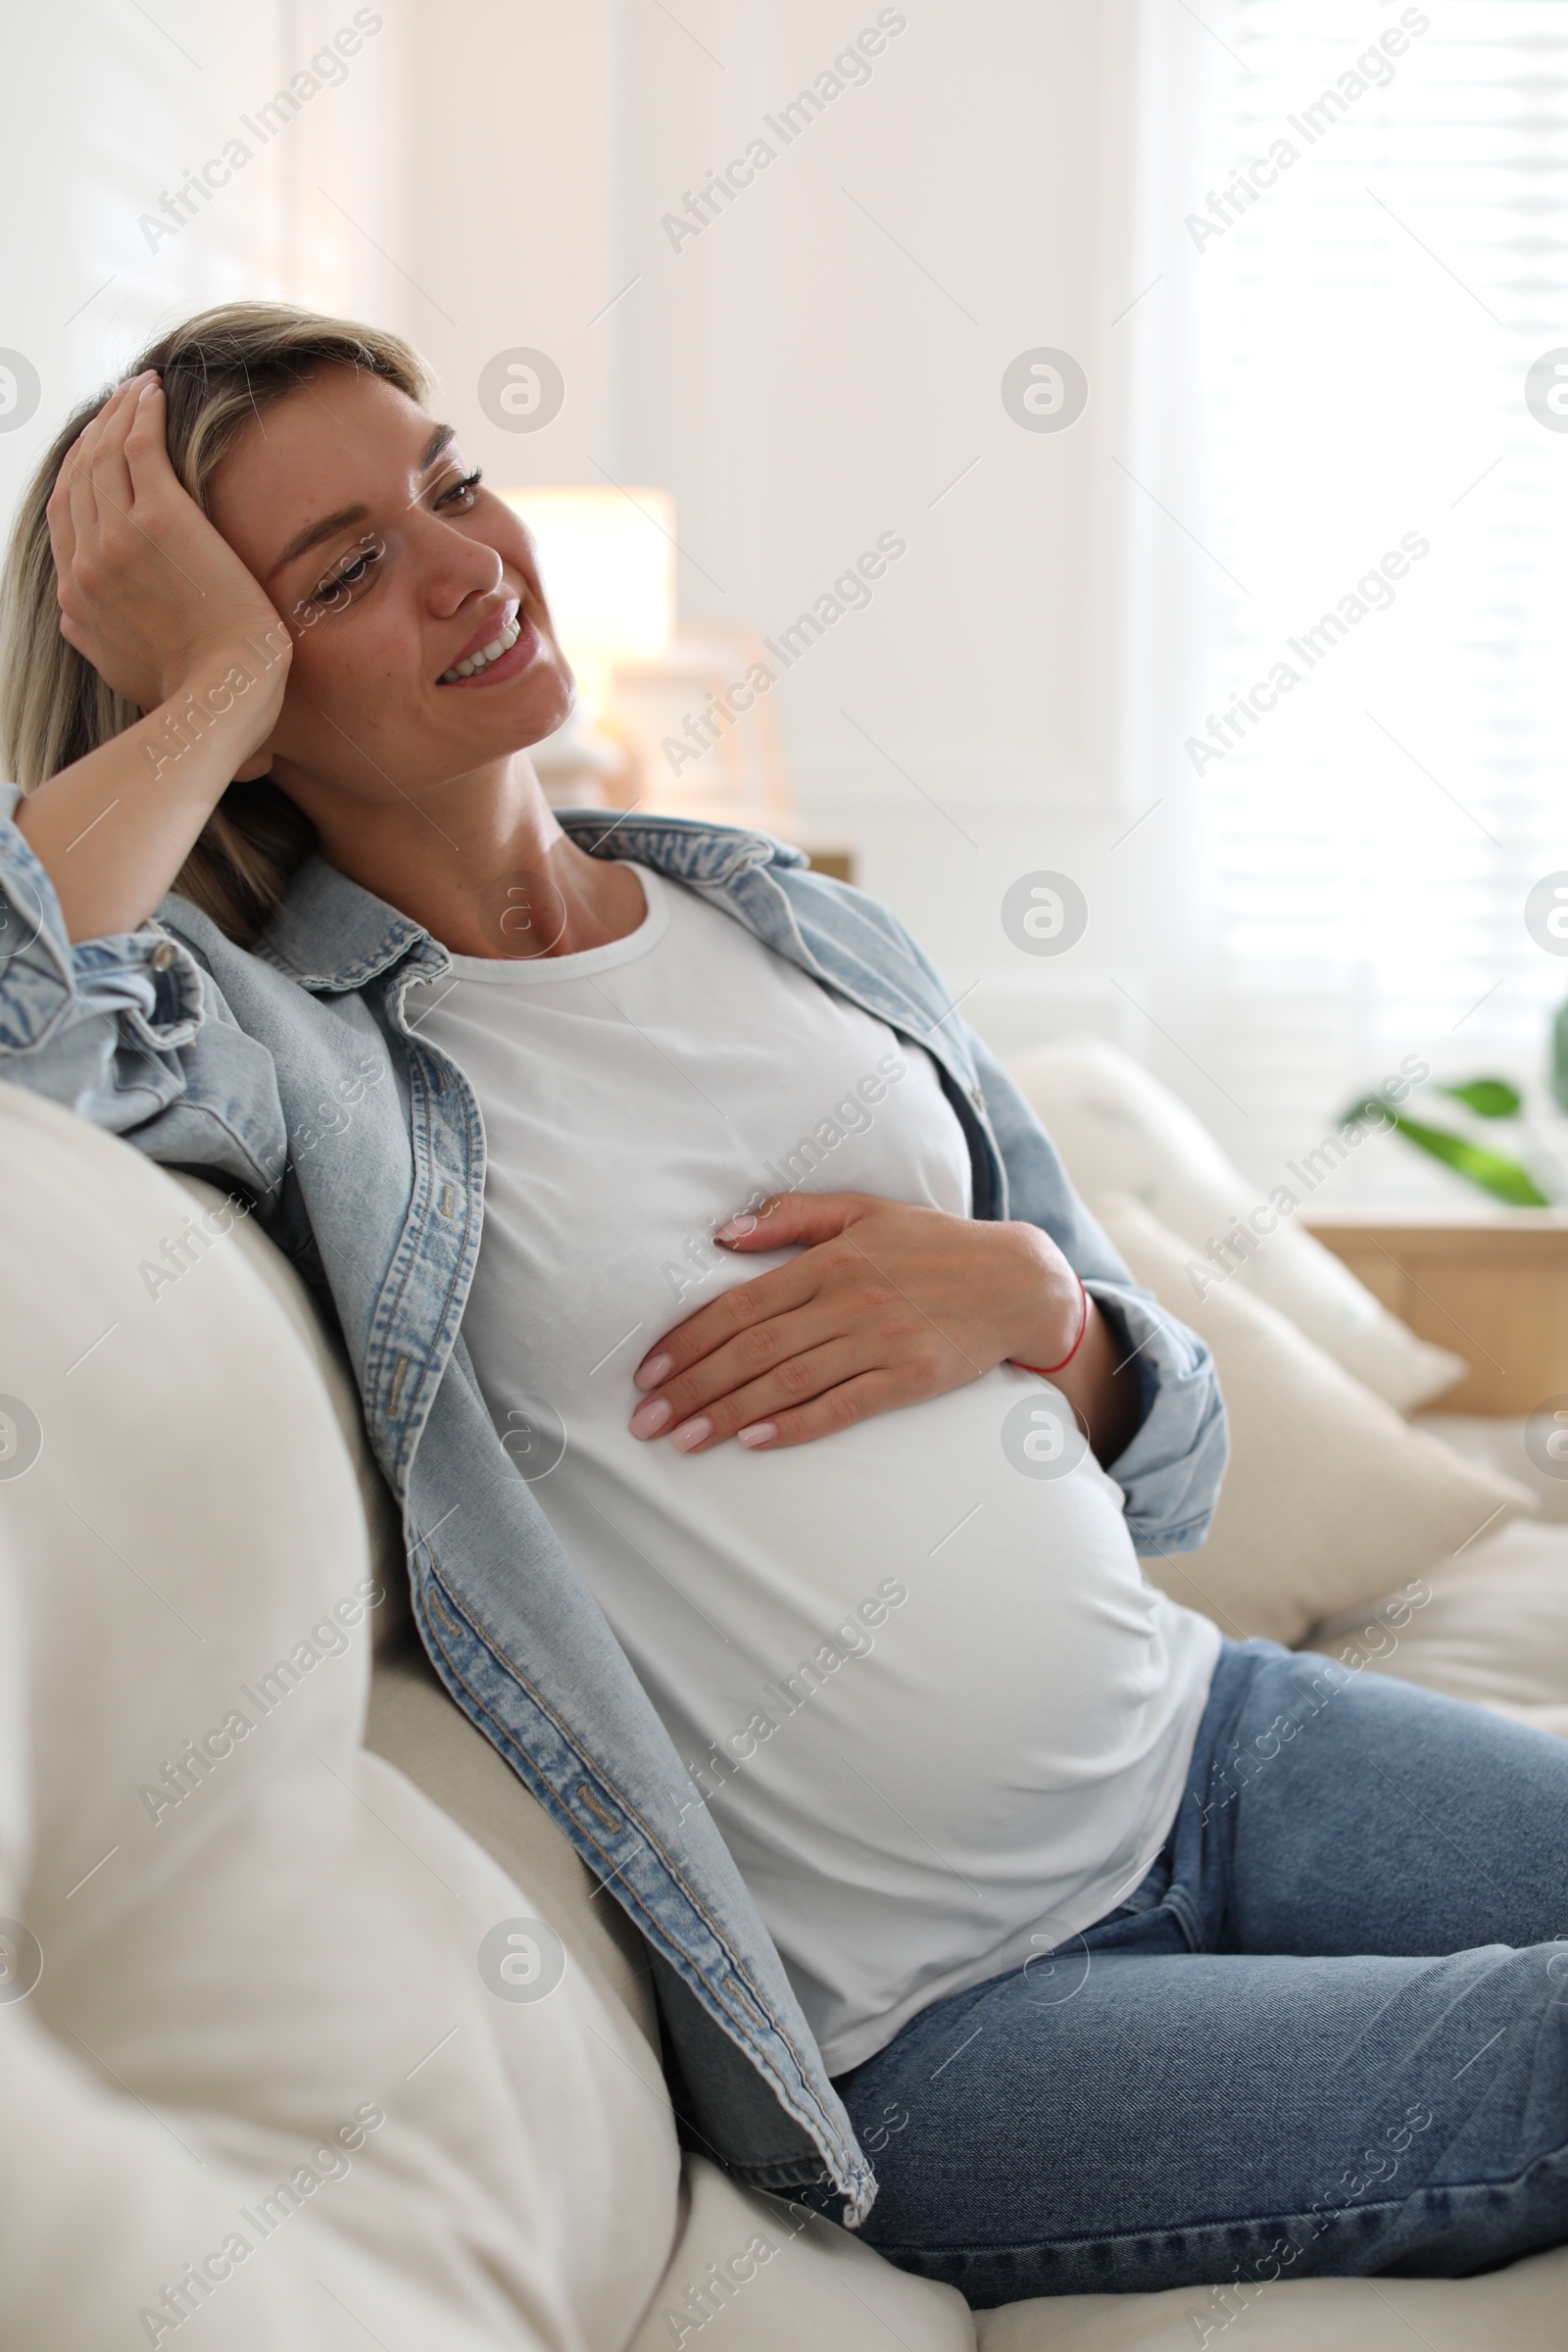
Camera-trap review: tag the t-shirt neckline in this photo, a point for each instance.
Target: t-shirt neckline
(535, 971)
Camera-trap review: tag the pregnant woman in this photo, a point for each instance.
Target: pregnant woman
(775, 1433)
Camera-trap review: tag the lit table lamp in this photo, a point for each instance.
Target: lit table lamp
(607, 558)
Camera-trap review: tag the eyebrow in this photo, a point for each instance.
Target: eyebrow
(330, 525)
(439, 442)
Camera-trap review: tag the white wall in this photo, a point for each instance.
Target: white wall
(804, 384)
(107, 112)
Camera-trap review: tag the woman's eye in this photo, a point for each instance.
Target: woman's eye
(350, 577)
(461, 492)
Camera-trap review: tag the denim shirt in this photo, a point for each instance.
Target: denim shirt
(293, 1070)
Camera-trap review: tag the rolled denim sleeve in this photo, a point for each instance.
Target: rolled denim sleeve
(97, 1024)
(131, 1032)
(1170, 1472)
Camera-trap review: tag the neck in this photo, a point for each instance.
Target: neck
(479, 862)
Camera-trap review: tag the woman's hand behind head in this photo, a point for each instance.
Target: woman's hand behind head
(150, 593)
(167, 614)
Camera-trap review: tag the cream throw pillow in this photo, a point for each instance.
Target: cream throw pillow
(1119, 1130)
(1331, 1499)
(1491, 1626)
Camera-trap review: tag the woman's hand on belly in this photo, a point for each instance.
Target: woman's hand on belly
(886, 1306)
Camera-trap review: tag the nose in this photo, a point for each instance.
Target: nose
(456, 568)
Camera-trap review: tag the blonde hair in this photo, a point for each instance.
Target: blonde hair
(220, 370)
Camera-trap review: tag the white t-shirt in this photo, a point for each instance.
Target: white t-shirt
(941, 1720)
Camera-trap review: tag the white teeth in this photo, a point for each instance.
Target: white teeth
(487, 652)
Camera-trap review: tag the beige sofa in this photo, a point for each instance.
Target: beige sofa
(313, 2030)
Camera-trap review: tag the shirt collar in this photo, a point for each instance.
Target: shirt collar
(331, 935)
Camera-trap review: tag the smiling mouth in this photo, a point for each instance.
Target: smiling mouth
(495, 650)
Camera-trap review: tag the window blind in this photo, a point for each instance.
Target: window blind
(1385, 740)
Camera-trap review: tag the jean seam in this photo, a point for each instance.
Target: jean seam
(1188, 1915)
(1135, 2241)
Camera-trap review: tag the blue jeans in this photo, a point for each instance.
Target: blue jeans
(1327, 2035)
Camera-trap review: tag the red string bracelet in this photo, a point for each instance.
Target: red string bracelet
(1046, 1371)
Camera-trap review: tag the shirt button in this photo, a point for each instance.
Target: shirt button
(977, 1098)
(163, 956)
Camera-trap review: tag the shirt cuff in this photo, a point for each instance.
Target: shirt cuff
(1170, 1470)
(146, 978)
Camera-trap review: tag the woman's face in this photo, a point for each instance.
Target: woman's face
(390, 566)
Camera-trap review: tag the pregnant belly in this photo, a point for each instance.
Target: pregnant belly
(904, 1599)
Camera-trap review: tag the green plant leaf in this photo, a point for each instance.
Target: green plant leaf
(1492, 1171)
(1488, 1098)
(1504, 1178)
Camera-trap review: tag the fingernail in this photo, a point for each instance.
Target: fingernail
(691, 1432)
(655, 1369)
(735, 1230)
(650, 1418)
(761, 1433)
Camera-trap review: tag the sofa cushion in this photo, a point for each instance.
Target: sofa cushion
(282, 1995)
(415, 1724)
(1491, 1626)
(1521, 2308)
(224, 1214)
(1119, 1130)
(753, 2273)
(1330, 1499)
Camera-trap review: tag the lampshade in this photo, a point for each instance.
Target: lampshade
(607, 560)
